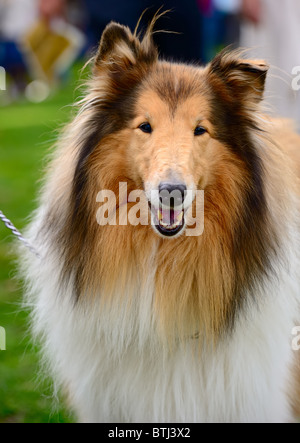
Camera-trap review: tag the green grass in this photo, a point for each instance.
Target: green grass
(27, 132)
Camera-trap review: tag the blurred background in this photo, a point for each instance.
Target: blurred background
(43, 46)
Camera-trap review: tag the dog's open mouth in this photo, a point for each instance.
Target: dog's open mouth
(167, 221)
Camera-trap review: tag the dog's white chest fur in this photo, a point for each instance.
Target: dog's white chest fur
(117, 371)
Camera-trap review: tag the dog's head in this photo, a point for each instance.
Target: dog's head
(169, 131)
(174, 128)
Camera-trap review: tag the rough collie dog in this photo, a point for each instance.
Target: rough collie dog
(150, 321)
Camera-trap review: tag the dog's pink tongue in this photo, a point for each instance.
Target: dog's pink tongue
(169, 216)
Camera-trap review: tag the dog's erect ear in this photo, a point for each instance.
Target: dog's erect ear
(119, 49)
(245, 78)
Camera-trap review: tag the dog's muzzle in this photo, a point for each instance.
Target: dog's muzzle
(168, 209)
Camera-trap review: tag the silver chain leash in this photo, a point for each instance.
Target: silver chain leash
(18, 234)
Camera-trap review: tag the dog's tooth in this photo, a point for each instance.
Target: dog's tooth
(165, 225)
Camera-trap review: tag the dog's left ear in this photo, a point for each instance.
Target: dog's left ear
(120, 50)
(245, 79)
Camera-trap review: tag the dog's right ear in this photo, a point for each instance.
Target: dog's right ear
(121, 50)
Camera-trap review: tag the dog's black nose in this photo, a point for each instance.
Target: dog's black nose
(172, 194)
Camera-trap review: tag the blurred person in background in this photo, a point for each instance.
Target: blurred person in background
(53, 43)
(38, 45)
(16, 18)
(272, 29)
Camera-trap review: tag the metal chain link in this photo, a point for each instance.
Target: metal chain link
(18, 234)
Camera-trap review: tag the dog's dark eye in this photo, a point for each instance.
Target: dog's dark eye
(146, 127)
(200, 130)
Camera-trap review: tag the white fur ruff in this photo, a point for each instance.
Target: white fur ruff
(119, 371)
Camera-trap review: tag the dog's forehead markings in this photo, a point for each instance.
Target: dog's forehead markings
(174, 84)
(151, 106)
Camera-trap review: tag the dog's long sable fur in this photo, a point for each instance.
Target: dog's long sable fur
(138, 327)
